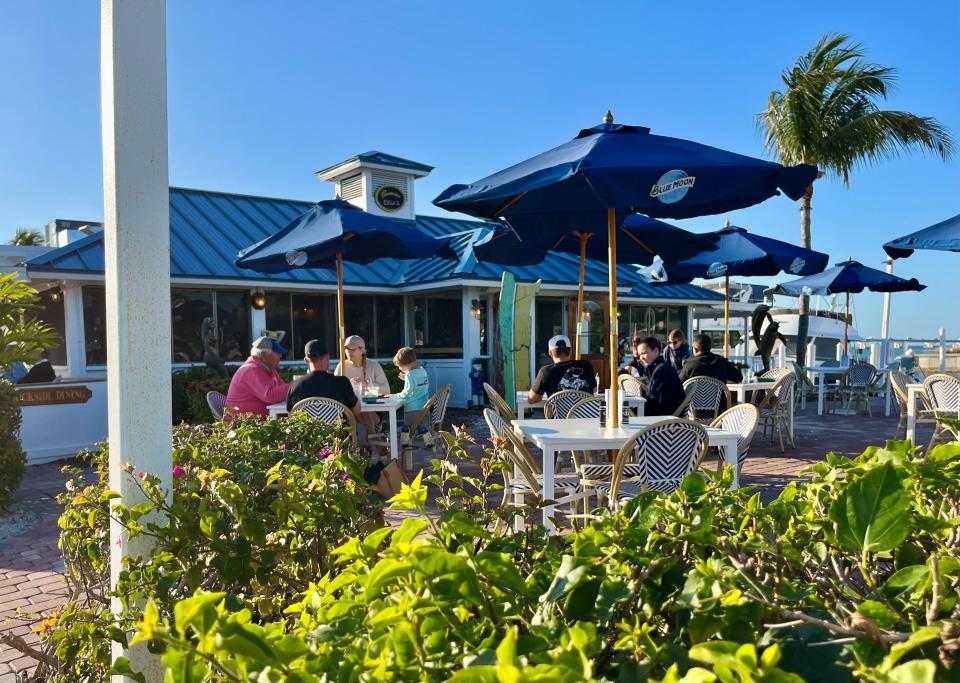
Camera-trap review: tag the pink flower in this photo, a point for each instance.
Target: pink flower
(179, 472)
(283, 447)
(325, 453)
(140, 474)
(346, 477)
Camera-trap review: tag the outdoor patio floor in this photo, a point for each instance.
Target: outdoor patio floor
(30, 565)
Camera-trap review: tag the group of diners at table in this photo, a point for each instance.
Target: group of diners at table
(661, 369)
(257, 384)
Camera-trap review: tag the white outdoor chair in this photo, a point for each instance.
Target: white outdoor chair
(774, 410)
(559, 404)
(742, 419)
(216, 401)
(329, 411)
(706, 394)
(665, 453)
(943, 392)
(524, 477)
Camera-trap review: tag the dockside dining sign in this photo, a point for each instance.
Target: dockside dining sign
(53, 395)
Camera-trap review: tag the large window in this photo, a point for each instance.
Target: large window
(652, 321)
(438, 325)
(51, 314)
(227, 311)
(233, 325)
(378, 319)
(95, 325)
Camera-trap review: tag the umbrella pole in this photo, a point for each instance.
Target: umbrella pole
(583, 260)
(726, 318)
(846, 322)
(614, 419)
(340, 324)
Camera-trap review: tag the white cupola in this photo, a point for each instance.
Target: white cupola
(378, 183)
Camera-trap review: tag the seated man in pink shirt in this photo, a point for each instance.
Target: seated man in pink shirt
(257, 383)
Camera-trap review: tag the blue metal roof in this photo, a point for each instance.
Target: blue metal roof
(207, 229)
(384, 159)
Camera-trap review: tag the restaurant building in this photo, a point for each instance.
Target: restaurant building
(441, 307)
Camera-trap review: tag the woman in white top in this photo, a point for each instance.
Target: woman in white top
(358, 368)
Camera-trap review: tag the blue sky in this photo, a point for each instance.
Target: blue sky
(263, 94)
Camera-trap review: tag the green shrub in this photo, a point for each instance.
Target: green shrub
(853, 575)
(393, 377)
(257, 509)
(190, 387)
(12, 457)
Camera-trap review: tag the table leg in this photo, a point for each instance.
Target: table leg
(641, 406)
(911, 415)
(741, 395)
(820, 376)
(394, 436)
(547, 491)
(730, 458)
(887, 390)
(792, 439)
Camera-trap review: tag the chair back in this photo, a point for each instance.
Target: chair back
(776, 373)
(512, 449)
(630, 385)
(327, 410)
(666, 452)
(743, 420)
(707, 394)
(498, 403)
(216, 401)
(898, 382)
(587, 409)
(559, 404)
(861, 375)
(780, 394)
(944, 394)
(438, 411)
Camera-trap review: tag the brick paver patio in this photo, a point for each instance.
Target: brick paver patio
(30, 562)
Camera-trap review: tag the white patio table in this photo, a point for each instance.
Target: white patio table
(914, 390)
(555, 436)
(820, 372)
(384, 405)
(742, 388)
(524, 405)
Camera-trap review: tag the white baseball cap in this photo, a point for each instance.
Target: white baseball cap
(559, 341)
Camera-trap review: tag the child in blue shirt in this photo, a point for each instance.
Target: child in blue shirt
(416, 384)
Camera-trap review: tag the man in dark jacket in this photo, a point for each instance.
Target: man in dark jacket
(663, 391)
(708, 364)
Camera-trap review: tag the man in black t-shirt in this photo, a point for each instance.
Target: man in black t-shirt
(565, 373)
(321, 383)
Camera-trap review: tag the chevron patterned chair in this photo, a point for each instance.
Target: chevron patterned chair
(664, 453)
(216, 401)
(742, 419)
(707, 395)
(943, 393)
(496, 400)
(329, 411)
(774, 409)
(856, 390)
(559, 404)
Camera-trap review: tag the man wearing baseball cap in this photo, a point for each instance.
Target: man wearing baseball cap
(321, 383)
(565, 373)
(257, 383)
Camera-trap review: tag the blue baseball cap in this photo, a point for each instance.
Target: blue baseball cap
(270, 344)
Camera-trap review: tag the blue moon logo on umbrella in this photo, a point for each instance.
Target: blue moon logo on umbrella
(797, 265)
(296, 258)
(717, 270)
(672, 186)
(390, 198)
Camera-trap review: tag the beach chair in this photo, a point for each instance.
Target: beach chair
(707, 395)
(329, 411)
(559, 404)
(499, 405)
(664, 453)
(943, 392)
(774, 410)
(524, 477)
(216, 401)
(742, 419)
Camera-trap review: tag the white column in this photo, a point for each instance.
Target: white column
(885, 321)
(471, 338)
(74, 337)
(137, 262)
(942, 335)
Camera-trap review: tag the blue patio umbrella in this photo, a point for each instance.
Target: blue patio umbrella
(942, 236)
(850, 277)
(742, 253)
(333, 231)
(640, 238)
(611, 171)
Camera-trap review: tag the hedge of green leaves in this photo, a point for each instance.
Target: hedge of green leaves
(257, 509)
(12, 457)
(852, 576)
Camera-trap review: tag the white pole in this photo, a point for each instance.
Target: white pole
(942, 333)
(137, 264)
(885, 323)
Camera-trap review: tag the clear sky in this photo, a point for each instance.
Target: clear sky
(261, 95)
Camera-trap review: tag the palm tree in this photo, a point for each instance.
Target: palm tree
(828, 115)
(25, 237)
